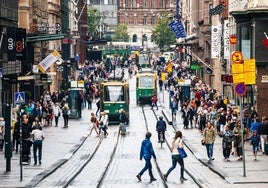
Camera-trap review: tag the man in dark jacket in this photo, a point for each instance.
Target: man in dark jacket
(147, 152)
(161, 127)
(263, 132)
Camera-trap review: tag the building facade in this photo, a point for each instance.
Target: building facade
(9, 70)
(141, 16)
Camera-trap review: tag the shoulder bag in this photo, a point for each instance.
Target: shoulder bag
(182, 153)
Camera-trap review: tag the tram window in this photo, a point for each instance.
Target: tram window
(114, 93)
(146, 81)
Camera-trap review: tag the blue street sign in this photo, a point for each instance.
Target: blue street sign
(240, 89)
(19, 97)
(178, 29)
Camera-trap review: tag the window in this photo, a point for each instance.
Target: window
(153, 20)
(145, 20)
(135, 19)
(134, 38)
(162, 3)
(114, 93)
(126, 19)
(153, 3)
(146, 81)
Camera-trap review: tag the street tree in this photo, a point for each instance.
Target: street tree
(121, 34)
(94, 19)
(162, 34)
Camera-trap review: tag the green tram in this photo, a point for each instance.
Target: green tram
(114, 95)
(146, 87)
(144, 61)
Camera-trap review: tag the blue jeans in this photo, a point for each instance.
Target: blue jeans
(148, 166)
(37, 146)
(209, 148)
(176, 159)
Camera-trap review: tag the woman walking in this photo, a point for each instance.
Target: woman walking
(65, 115)
(227, 139)
(209, 139)
(175, 156)
(95, 124)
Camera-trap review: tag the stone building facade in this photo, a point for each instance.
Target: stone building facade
(141, 16)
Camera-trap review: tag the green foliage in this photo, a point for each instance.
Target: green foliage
(93, 21)
(162, 34)
(121, 34)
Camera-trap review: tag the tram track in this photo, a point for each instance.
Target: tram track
(193, 169)
(66, 174)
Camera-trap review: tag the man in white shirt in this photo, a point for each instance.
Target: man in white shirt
(38, 136)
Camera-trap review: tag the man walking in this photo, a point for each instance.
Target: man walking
(147, 152)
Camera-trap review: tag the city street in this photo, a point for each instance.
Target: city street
(61, 144)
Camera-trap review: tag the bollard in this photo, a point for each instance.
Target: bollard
(8, 140)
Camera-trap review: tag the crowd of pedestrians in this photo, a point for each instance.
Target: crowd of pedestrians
(205, 109)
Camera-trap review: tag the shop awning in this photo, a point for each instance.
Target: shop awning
(47, 37)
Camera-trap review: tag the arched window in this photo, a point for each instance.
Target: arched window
(134, 38)
(144, 37)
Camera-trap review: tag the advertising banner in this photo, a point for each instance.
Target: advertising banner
(48, 61)
(215, 42)
(226, 39)
(20, 44)
(11, 41)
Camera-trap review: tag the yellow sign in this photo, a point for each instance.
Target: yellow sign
(237, 68)
(237, 57)
(238, 78)
(244, 73)
(249, 65)
(250, 78)
(80, 83)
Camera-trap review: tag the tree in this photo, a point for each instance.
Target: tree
(162, 34)
(121, 34)
(94, 19)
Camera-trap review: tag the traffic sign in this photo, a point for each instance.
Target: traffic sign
(19, 97)
(240, 89)
(237, 57)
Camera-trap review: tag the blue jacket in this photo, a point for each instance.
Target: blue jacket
(161, 125)
(147, 150)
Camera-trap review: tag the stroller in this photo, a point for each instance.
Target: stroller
(26, 151)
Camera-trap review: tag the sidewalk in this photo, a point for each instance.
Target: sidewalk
(59, 145)
(233, 171)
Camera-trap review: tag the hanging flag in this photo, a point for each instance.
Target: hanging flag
(48, 61)
(178, 29)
